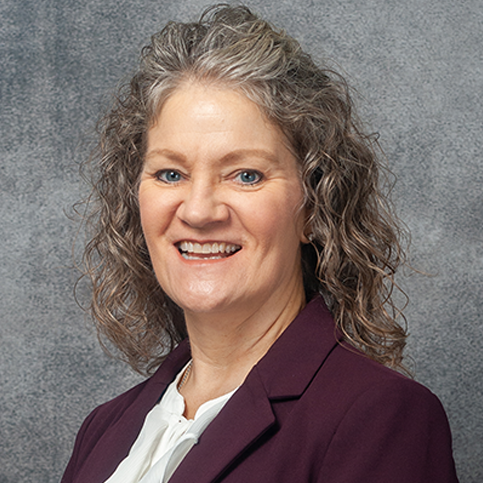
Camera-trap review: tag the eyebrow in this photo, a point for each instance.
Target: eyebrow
(237, 155)
(166, 153)
(240, 154)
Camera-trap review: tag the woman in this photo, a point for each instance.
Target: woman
(236, 197)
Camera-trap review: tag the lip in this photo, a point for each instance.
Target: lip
(206, 250)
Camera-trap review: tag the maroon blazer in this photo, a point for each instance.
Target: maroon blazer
(311, 410)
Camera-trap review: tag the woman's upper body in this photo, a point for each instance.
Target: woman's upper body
(233, 185)
(311, 410)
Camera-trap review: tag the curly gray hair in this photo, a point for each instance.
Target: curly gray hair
(354, 250)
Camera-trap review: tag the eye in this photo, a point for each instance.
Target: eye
(169, 176)
(249, 177)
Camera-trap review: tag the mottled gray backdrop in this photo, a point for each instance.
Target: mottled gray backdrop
(418, 67)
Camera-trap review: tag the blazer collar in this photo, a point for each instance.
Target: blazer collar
(284, 372)
(290, 364)
(287, 368)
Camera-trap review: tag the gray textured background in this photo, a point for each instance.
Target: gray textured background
(418, 66)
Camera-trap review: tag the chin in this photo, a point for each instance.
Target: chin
(202, 299)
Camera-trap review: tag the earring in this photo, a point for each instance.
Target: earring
(311, 237)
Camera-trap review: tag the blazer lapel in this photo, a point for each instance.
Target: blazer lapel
(283, 373)
(246, 416)
(115, 443)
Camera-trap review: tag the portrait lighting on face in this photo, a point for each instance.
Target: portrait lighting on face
(221, 204)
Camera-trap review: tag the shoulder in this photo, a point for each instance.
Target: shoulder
(384, 420)
(109, 412)
(112, 427)
(142, 397)
(96, 424)
(361, 385)
(355, 373)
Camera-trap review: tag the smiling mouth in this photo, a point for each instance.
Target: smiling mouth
(206, 251)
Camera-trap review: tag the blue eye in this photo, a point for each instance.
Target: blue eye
(169, 176)
(249, 177)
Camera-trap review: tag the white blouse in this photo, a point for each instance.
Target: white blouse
(165, 438)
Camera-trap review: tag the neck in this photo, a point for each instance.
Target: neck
(226, 345)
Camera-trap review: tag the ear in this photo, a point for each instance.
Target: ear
(307, 237)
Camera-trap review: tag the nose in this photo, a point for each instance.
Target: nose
(202, 205)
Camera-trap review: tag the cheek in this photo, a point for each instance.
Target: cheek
(279, 221)
(147, 210)
(154, 208)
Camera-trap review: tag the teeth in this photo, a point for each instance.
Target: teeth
(187, 247)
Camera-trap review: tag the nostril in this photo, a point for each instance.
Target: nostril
(200, 212)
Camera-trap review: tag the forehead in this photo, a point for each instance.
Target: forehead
(207, 117)
(203, 103)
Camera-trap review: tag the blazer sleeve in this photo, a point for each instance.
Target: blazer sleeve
(395, 432)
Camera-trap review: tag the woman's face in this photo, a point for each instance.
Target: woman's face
(221, 204)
